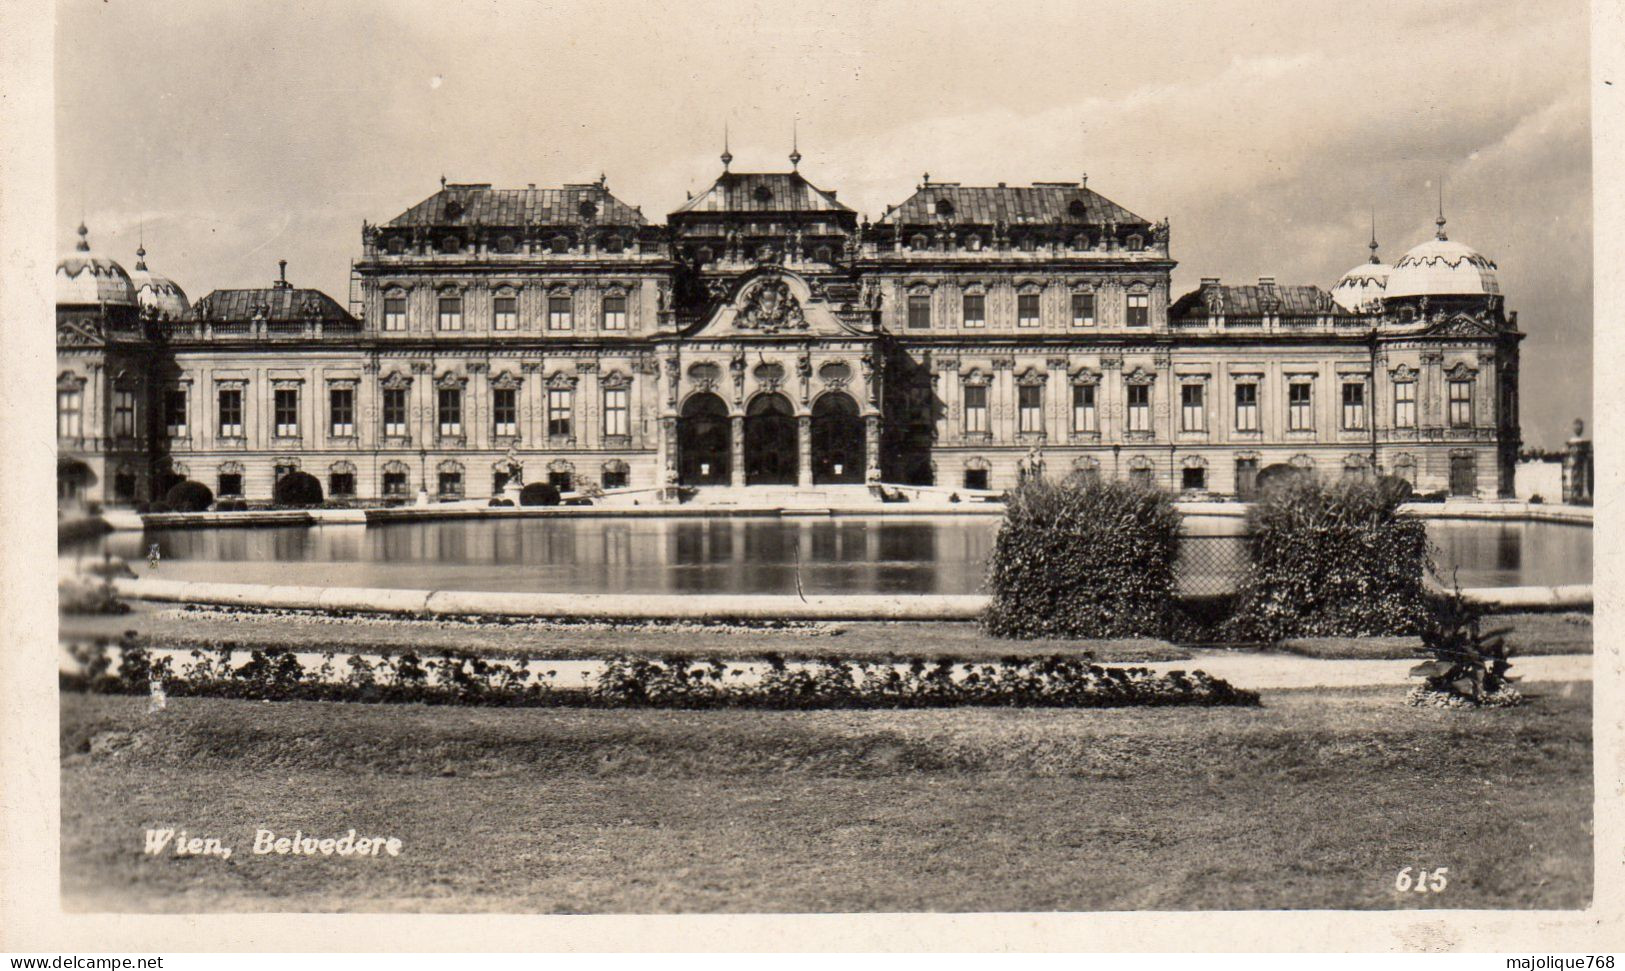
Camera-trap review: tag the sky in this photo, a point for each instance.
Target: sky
(229, 135)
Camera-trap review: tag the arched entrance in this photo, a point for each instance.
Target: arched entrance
(771, 455)
(702, 441)
(837, 439)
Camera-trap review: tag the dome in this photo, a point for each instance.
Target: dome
(1360, 287)
(1441, 267)
(82, 277)
(157, 294)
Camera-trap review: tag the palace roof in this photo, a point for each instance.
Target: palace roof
(278, 304)
(1255, 300)
(762, 192)
(1043, 202)
(481, 205)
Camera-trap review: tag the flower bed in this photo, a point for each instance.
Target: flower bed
(459, 678)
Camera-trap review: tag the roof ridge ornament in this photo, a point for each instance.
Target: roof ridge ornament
(1373, 243)
(84, 238)
(1440, 221)
(727, 156)
(795, 147)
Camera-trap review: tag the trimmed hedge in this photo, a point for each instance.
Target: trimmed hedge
(298, 489)
(189, 495)
(1332, 561)
(539, 494)
(460, 678)
(1083, 558)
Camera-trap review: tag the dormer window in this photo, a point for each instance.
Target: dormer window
(822, 254)
(945, 209)
(973, 243)
(919, 243)
(560, 244)
(451, 244)
(1136, 243)
(763, 194)
(396, 245)
(613, 244)
(588, 211)
(505, 244)
(1077, 210)
(704, 255)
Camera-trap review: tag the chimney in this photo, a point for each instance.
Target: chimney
(1001, 185)
(282, 274)
(1268, 282)
(1083, 183)
(1209, 282)
(832, 193)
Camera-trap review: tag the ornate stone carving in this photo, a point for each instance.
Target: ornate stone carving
(835, 374)
(705, 375)
(770, 308)
(506, 381)
(560, 380)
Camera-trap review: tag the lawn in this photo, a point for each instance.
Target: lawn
(1315, 800)
(167, 626)
(1530, 635)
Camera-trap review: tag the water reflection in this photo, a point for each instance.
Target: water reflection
(738, 555)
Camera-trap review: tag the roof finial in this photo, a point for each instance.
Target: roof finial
(141, 244)
(442, 180)
(1373, 243)
(1440, 221)
(727, 156)
(795, 145)
(84, 237)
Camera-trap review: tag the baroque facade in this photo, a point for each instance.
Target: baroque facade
(765, 335)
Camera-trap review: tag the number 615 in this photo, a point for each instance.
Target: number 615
(1425, 881)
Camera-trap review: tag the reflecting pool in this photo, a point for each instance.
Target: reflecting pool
(944, 554)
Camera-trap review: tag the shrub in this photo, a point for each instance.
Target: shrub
(499, 502)
(189, 496)
(538, 494)
(1464, 665)
(298, 489)
(159, 505)
(1331, 561)
(1537, 499)
(1083, 559)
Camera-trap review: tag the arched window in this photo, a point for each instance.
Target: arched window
(560, 243)
(396, 244)
(823, 254)
(1077, 210)
(763, 194)
(919, 242)
(587, 210)
(945, 208)
(561, 475)
(616, 474)
(505, 244)
(451, 244)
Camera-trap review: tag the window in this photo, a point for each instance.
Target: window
(615, 313)
(451, 411)
(1461, 404)
(1084, 416)
(341, 412)
(976, 479)
(395, 412)
(560, 403)
(559, 244)
(505, 412)
(1136, 243)
(70, 413)
(1300, 414)
(341, 484)
(285, 409)
(451, 484)
(1247, 407)
(231, 413)
(283, 469)
(561, 479)
(505, 312)
(1026, 310)
(1193, 478)
(1139, 309)
(1083, 310)
(558, 314)
(1140, 475)
(615, 412)
(395, 311)
(123, 413)
(919, 311)
(1139, 407)
(394, 483)
(975, 409)
(975, 310)
(1246, 477)
(919, 243)
(1405, 404)
(1030, 407)
(1353, 405)
(451, 311)
(616, 475)
(1192, 408)
(175, 412)
(231, 484)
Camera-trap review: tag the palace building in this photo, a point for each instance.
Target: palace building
(765, 334)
